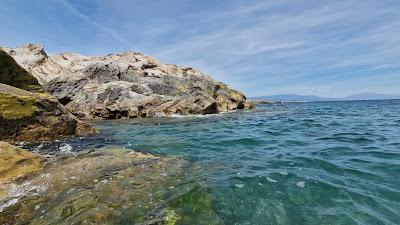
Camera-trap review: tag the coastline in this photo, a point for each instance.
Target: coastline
(65, 186)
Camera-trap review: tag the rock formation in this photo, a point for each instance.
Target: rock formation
(126, 85)
(29, 114)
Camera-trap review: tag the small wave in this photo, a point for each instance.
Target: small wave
(357, 140)
(66, 148)
(272, 133)
(193, 116)
(242, 141)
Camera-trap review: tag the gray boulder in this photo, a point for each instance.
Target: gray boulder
(126, 85)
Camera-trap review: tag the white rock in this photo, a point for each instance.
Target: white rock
(128, 84)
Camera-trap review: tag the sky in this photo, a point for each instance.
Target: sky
(262, 47)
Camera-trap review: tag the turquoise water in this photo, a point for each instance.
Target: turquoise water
(294, 163)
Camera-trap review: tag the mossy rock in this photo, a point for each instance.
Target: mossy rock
(14, 107)
(16, 163)
(28, 116)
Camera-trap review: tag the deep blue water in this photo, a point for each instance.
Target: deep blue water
(292, 163)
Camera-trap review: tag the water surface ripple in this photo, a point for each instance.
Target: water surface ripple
(293, 163)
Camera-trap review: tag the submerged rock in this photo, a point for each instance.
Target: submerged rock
(127, 84)
(15, 164)
(29, 114)
(109, 186)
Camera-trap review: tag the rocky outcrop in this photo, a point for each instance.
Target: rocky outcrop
(29, 114)
(127, 84)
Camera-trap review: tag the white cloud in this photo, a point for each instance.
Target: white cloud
(259, 45)
(113, 33)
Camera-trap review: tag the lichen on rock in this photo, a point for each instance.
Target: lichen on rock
(17, 163)
(14, 107)
(28, 116)
(27, 113)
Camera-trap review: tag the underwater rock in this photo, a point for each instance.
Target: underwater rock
(126, 85)
(15, 164)
(109, 186)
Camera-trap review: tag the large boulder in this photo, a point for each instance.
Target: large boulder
(29, 114)
(127, 84)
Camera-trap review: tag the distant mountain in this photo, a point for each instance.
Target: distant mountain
(313, 98)
(292, 98)
(370, 96)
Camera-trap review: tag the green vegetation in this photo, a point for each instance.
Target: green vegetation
(14, 107)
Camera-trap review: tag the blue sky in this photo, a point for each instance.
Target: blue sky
(326, 48)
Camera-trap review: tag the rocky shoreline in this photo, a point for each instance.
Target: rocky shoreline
(125, 85)
(42, 98)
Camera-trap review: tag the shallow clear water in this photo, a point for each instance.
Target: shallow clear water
(294, 163)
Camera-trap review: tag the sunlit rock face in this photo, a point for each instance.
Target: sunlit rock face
(128, 84)
(107, 186)
(27, 113)
(16, 163)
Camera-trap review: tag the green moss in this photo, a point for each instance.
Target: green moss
(14, 75)
(17, 107)
(16, 162)
(172, 217)
(194, 207)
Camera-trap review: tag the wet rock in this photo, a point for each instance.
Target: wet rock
(17, 163)
(126, 85)
(110, 186)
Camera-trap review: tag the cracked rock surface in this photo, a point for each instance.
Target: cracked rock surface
(126, 85)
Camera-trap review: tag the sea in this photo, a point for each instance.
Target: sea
(317, 163)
